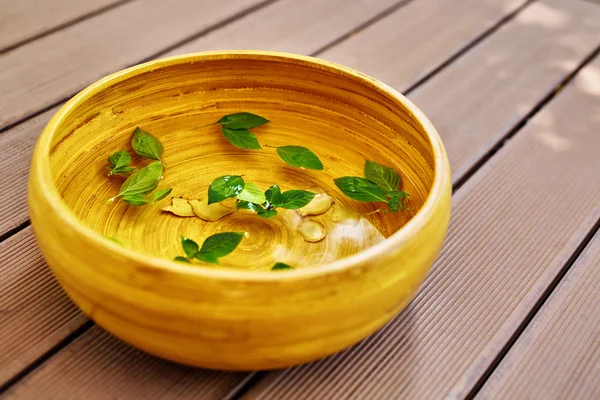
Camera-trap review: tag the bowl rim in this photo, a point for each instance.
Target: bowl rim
(42, 171)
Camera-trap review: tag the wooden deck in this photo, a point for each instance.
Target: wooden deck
(509, 310)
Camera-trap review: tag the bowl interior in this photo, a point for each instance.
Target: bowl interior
(343, 117)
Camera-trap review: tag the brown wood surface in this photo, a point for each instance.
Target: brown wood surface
(557, 356)
(406, 45)
(98, 365)
(35, 313)
(24, 20)
(508, 241)
(300, 27)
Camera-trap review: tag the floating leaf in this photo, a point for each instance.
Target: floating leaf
(119, 163)
(246, 205)
(300, 157)
(219, 245)
(393, 204)
(135, 200)
(225, 187)
(161, 194)
(143, 181)
(252, 193)
(241, 138)
(273, 196)
(146, 145)
(397, 200)
(294, 199)
(242, 120)
(181, 259)
(360, 189)
(279, 266)
(189, 247)
(385, 177)
(267, 213)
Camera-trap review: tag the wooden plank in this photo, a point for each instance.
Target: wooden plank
(509, 238)
(48, 70)
(305, 27)
(97, 366)
(557, 356)
(293, 26)
(35, 313)
(475, 101)
(15, 164)
(25, 19)
(406, 46)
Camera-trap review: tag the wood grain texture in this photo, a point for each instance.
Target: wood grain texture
(98, 366)
(15, 166)
(508, 240)
(35, 313)
(409, 43)
(56, 66)
(557, 355)
(24, 19)
(493, 86)
(300, 27)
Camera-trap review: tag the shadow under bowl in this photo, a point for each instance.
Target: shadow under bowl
(239, 316)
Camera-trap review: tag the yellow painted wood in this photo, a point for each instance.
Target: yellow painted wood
(235, 318)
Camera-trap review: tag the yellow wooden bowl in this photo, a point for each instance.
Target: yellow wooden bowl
(240, 315)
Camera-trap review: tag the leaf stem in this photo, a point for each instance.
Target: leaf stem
(376, 211)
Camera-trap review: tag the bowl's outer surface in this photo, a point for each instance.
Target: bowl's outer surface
(237, 320)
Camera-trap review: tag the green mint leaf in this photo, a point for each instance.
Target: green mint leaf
(207, 257)
(267, 213)
(385, 177)
(189, 247)
(181, 259)
(121, 171)
(252, 193)
(273, 196)
(245, 205)
(295, 199)
(397, 193)
(161, 194)
(143, 181)
(135, 200)
(243, 120)
(146, 145)
(299, 157)
(219, 245)
(119, 160)
(360, 189)
(400, 203)
(279, 266)
(393, 204)
(112, 239)
(225, 187)
(241, 138)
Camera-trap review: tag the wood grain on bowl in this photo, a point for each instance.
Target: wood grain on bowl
(342, 289)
